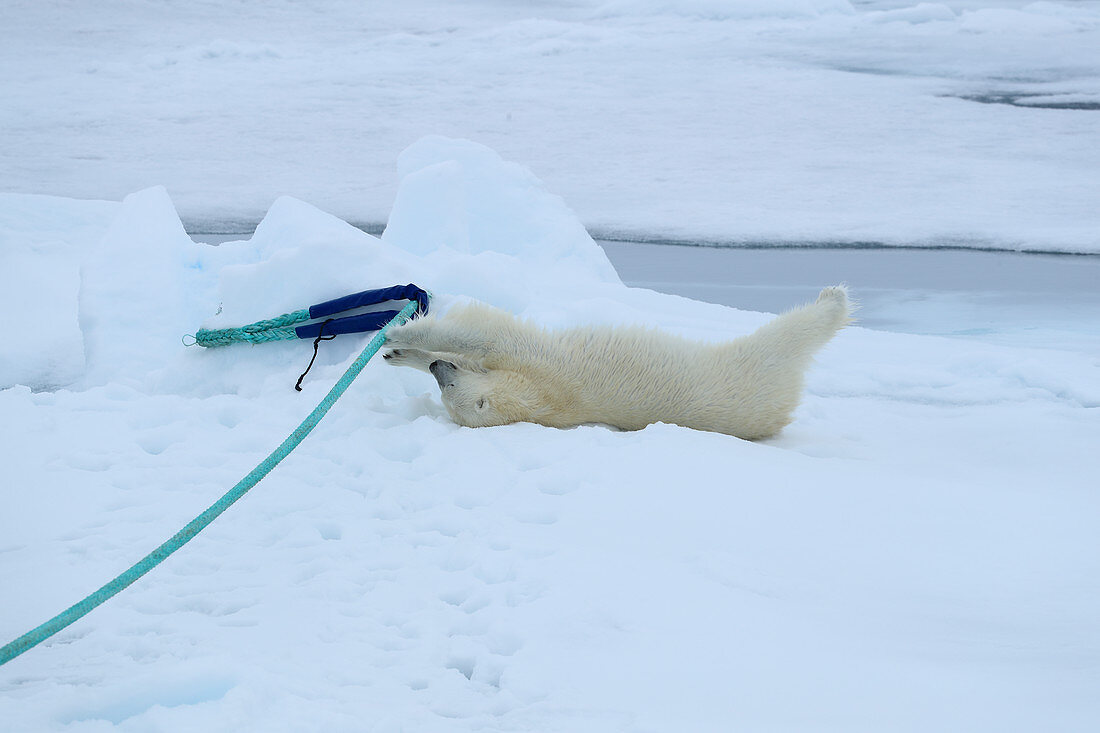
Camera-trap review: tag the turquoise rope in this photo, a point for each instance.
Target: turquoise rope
(278, 328)
(40, 633)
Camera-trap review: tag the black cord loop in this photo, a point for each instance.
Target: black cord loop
(316, 342)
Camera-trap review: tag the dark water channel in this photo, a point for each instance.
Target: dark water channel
(1048, 301)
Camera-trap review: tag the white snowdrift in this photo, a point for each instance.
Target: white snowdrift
(918, 551)
(42, 240)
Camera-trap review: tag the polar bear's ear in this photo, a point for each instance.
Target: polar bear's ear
(480, 404)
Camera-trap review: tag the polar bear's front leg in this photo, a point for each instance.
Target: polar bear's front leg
(423, 360)
(440, 335)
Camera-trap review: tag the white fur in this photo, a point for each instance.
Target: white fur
(493, 369)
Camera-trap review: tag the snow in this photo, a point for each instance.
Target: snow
(964, 123)
(479, 203)
(40, 282)
(917, 551)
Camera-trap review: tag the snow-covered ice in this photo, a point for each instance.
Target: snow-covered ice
(965, 122)
(917, 551)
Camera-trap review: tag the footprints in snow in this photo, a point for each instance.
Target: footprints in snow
(329, 530)
(474, 534)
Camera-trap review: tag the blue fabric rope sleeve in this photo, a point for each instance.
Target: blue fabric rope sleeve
(371, 297)
(348, 324)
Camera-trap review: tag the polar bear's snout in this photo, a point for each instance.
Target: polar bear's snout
(444, 372)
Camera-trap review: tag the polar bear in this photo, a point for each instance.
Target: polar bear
(494, 369)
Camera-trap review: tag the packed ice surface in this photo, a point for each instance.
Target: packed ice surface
(917, 551)
(966, 122)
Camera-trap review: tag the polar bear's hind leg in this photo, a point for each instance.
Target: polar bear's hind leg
(768, 366)
(799, 333)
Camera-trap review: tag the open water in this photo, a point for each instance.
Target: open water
(1044, 301)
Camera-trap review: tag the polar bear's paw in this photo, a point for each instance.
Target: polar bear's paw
(409, 357)
(836, 293)
(836, 297)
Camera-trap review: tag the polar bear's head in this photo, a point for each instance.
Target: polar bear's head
(478, 397)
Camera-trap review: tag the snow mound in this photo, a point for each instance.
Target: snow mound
(42, 240)
(134, 287)
(300, 255)
(104, 292)
(460, 196)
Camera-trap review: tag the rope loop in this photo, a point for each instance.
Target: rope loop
(279, 328)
